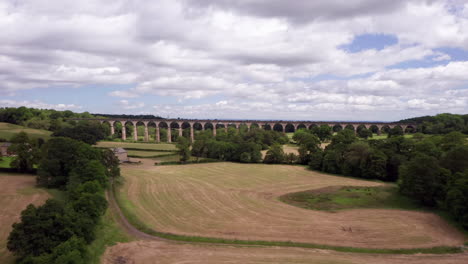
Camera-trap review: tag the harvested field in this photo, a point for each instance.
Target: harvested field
(286, 148)
(240, 201)
(17, 191)
(143, 146)
(146, 252)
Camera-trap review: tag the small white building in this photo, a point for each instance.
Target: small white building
(121, 154)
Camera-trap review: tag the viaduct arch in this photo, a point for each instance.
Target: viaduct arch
(177, 125)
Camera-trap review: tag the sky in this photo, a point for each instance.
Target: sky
(367, 60)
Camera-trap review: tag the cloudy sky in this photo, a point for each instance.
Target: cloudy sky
(255, 59)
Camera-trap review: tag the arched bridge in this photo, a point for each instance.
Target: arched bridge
(203, 124)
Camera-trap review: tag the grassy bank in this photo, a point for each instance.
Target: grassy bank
(339, 198)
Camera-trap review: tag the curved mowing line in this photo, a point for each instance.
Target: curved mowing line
(141, 227)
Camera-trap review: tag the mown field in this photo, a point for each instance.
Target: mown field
(148, 252)
(16, 192)
(7, 131)
(137, 146)
(240, 201)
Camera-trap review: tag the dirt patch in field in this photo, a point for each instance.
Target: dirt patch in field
(146, 252)
(240, 201)
(17, 191)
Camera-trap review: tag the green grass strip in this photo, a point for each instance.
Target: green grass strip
(138, 224)
(141, 149)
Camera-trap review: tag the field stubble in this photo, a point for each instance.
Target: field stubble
(17, 191)
(237, 201)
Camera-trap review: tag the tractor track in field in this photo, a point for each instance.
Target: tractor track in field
(122, 220)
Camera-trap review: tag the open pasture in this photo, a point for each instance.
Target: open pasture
(17, 191)
(7, 131)
(137, 146)
(240, 201)
(147, 252)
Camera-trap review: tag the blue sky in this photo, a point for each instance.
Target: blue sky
(217, 59)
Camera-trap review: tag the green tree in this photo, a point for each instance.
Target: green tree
(111, 163)
(456, 159)
(40, 230)
(25, 151)
(423, 179)
(323, 132)
(59, 157)
(316, 159)
(364, 133)
(457, 197)
(275, 154)
(395, 132)
(290, 158)
(183, 146)
(87, 131)
(88, 170)
(245, 157)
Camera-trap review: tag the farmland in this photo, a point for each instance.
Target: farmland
(17, 192)
(146, 252)
(236, 201)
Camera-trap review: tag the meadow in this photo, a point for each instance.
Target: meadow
(7, 131)
(241, 201)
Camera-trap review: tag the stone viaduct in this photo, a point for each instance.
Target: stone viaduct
(202, 124)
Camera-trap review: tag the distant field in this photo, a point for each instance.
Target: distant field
(385, 136)
(139, 146)
(17, 191)
(147, 154)
(289, 148)
(7, 131)
(240, 201)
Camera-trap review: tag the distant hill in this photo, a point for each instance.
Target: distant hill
(440, 124)
(7, 131)
(128, 116)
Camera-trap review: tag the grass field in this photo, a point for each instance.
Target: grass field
(138, 146)
(385, 136)
(17, 191)
(240, 201)
(5, 162)
(7, 131)
(339, 198)
(147, 154)
(148, 252)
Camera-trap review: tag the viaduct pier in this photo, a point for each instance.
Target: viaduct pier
(178, 125)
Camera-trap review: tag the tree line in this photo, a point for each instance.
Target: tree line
(432, 170)
(59, 230)
(239, 146)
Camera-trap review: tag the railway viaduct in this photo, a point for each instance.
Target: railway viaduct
(203, 124)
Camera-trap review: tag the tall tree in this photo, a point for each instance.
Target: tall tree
(25, 151)
(423, 179)
(183, 146)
